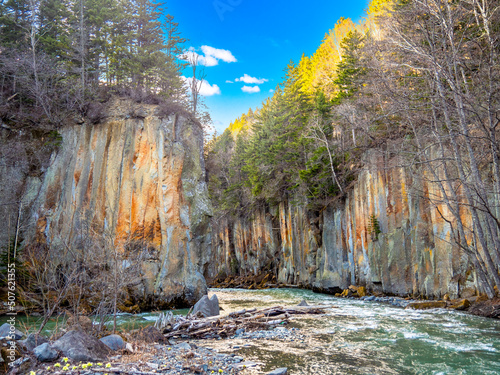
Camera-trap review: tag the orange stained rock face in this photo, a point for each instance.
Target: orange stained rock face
(76, 176)
(123, 179)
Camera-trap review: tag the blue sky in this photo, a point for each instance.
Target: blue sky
(251, 41)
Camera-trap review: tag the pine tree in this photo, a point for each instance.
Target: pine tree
(14, 23)
(349, 70)
(53, 33)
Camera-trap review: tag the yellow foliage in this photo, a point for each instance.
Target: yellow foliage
(377, 6)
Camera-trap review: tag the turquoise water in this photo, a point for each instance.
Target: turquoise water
(355, 337)
(124, 322)
(358, 337)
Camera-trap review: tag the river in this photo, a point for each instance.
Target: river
(353, 337)
(357, 337)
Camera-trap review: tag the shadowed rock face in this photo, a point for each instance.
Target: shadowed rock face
(330, 250)
(134, 183)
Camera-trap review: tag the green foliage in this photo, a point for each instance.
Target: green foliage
(55, 139)
(58, 54)
(288, 148)
(234, 266)
(374, 227)
(349, 71)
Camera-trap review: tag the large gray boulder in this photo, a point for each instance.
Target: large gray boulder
(44, 353)
(33, 340)
(114, 342)
(206, 307)
(6, 330)
(79, 346)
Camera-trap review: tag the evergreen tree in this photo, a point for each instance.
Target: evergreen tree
(349, 69)
(53, 33)
(14, 23)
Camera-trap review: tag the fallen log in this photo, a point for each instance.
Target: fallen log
(249, 320)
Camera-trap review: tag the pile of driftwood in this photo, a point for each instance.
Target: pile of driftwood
(224, 326)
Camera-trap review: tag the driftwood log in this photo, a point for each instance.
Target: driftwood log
(225, 326)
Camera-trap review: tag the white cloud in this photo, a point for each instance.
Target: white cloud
(206, 88)
(271, 90)
(219, 54)
(211, 56)
(250, 89)
(251, 80)
(209, 90)
(228, 81)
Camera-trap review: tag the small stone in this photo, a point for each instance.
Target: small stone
(279, 371)
(303, 303)
(240, 331)
(44, 353)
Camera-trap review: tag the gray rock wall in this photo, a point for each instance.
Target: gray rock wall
(330, 250)
(133, 183)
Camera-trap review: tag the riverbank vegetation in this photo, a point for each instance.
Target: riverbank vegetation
(416, 80)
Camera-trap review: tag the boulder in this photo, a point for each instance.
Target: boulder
(79, 346)
(346, 293)
(6, 330)
(489, 308)
(279, 371)
(32, 341)
(114, 342)
(426, 305)
(460, 305)
(361, 291)
(44, 353)
(206, 307)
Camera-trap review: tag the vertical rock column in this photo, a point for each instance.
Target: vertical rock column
(139, 183)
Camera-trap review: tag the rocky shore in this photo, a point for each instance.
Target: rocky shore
(84, 355)
(210, 345)
(172, 348)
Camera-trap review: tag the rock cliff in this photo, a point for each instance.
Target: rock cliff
(133, 183)
(383, 236)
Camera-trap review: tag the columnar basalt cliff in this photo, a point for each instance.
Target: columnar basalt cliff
(138, 179)
(382, 237)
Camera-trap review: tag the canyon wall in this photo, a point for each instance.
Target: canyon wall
(134, 183)
(386, 236)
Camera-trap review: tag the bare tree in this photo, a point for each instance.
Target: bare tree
(196, 82)
(443, 57)
(317, 133)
